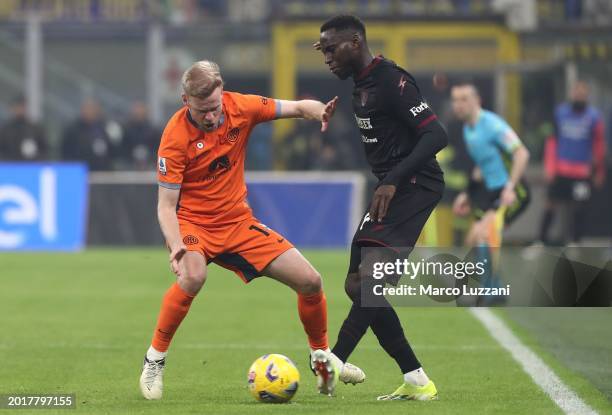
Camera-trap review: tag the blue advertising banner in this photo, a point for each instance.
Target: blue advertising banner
(318, 210)
(42, 206)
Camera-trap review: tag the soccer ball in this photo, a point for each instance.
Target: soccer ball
(273, 378)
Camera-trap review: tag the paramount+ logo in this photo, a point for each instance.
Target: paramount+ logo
(419, 109)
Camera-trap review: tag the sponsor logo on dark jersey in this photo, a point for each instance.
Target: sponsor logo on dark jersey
(419, 109)
(367, 140)
(364, 123)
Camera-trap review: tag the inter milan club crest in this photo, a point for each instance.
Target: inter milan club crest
(364, 98)
(232, 136)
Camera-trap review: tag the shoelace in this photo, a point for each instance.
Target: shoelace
(152, 369)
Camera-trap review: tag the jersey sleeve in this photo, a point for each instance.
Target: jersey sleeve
(261, 109)
(171, 160)
(504, 136)
(403, 98)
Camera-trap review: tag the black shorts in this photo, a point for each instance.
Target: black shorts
(483, 200)
(564, 189)
(408, 211)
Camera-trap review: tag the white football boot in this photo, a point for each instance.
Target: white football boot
(349, 373)
(151, 383)
(325, 369)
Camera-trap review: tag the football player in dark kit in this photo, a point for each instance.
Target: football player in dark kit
(401, 136)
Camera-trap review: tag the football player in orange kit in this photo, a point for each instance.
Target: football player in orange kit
(204, 216)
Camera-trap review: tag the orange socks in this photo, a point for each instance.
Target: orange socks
(313, 313)
(175, 306)
(312, 309)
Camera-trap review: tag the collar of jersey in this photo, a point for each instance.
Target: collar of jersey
(480, 114)
(365, 71)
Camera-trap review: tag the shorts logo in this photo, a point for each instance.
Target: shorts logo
(200, 145)
(233, 135)
(366, 219)
(190, 240)
(161, 163)
(264, 100)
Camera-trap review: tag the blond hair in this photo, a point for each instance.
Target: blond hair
(201, 79)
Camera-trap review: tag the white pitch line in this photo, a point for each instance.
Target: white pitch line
(542, 375)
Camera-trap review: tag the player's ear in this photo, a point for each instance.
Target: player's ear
(184, 98)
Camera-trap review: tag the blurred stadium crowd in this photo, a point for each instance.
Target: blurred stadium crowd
(112, 130)
(95, 80)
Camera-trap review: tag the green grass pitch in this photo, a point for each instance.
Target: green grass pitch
(80, 323)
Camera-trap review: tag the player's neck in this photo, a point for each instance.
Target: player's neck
(365, 60)
(474, 118)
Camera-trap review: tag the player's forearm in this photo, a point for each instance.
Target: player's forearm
(430, 142)
(169, 225)
(310, 109)
(520, 159)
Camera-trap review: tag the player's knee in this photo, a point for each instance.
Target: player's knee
(310, 283)
(352, 286)
(193, 279)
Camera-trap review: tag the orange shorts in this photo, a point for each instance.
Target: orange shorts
(245, 247)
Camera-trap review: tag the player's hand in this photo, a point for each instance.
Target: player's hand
(461, 205)
(317, 45)
(327, 113)
(380, 202)
(508, 196)
(176, 254)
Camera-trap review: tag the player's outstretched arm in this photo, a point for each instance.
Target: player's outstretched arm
(166, 214)
(308, 109)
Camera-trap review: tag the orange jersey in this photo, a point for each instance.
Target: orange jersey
(208, 167)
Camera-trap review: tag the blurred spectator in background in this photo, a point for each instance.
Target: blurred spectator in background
(307, 148)
(301, 145)
(259, 151)
(90, 138)
(574, 159)
(20, 138)
(140, 139)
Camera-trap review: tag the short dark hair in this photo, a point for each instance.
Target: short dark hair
(466, 82)
(345, 22)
